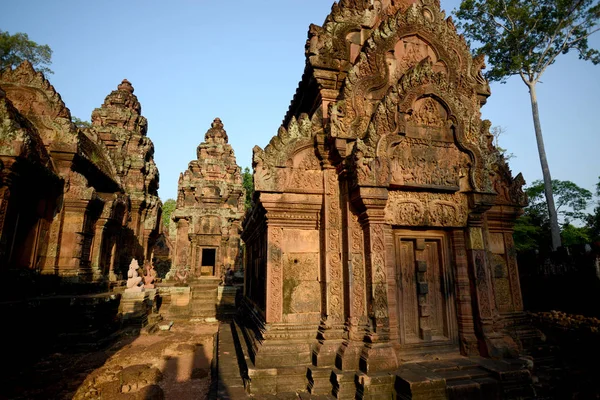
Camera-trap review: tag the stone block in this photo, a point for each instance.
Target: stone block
(319, 380)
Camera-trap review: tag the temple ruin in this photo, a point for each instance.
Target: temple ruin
(379, 249)
(74, 203)
(210, 207)
(377, 253)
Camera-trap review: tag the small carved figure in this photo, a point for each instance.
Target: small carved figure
(134, 280)
(149, 275)
(182, 276)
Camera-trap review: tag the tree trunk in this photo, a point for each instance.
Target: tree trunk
(554, 228)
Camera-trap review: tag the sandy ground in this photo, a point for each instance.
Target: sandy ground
(171, 364)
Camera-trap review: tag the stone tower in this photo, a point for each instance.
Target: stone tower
(119, 125)
(210, 207)
(75, 203)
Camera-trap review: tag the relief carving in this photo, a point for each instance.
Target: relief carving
(380, 309)
(428, 114)
(405, 208)
(447, 210)
(275, 297)
(426, 209)
(421, 162)
(358, 284)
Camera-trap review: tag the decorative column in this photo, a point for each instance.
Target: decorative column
(466, 326)
(183, 243)
(357, 323)
(378, 354)
(331, 331)
(274, 309)
(69, 260)
(495, 343)
(98, 245)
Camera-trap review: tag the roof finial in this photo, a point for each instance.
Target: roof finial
(126, 86)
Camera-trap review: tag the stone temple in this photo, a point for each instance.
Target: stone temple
(74, 203)
(210, 207)
(379, 248)
(377, 255)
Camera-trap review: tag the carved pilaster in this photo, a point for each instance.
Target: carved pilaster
(466, 327)
(274, 309)
(72, 238)
(513, 271)
(333, 252)
(96, 256)
(182, 243)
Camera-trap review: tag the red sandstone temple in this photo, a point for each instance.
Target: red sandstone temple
(380, 256)
(210, 206)
(74, 203)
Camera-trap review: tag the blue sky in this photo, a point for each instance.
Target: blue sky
(241, 61)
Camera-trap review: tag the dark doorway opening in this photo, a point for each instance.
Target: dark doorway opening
(208, 262)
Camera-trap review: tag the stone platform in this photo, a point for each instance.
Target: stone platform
(197, 301)
(455, 378)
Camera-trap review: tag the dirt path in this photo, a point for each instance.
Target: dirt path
(171, 364)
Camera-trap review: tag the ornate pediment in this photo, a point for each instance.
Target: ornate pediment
(289, 159)
(35, 98)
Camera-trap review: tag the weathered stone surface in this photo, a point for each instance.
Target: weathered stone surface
(210, 205)
(384, 214)
(77, 203)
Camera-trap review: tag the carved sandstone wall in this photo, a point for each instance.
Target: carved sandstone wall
(383, 223)
(64, 207)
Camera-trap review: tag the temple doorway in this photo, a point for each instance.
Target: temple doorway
(209, 256)
(426, 303)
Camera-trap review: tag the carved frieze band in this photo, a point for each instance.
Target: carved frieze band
(426, 209)
(275, 275)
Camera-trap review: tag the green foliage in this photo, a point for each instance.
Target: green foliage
(81, 123)
(14, 49)
(530, 234)
(248, 183)
(523, 37)
(532, 230)
(167, 209)
(572, 235)
(571, 200)
(593, 220)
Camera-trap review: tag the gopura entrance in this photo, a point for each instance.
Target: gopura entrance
(426, 301)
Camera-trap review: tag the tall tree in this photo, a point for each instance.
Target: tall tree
(524, 37)
(14, 49)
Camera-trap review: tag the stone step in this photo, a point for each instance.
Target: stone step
(232, 370)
